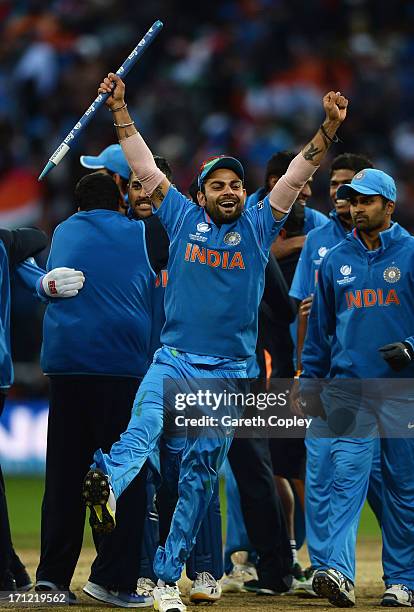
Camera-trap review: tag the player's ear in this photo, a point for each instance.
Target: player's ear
(201, 198)
(390, 207)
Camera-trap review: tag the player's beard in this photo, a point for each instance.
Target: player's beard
(223, 214)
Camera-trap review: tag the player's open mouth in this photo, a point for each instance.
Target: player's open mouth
(143, 204)
(228, 205)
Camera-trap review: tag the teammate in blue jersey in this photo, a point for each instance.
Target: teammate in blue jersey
(361, 327)
(95, 352)
(16, 246)
(319, 466)
(218, 254)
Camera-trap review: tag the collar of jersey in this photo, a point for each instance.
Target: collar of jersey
(387, 237)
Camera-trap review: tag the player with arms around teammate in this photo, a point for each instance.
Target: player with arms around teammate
(365, 283)
(209, 281)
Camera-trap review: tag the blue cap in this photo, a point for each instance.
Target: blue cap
(369, 182)
(215, 163)
(112, 158)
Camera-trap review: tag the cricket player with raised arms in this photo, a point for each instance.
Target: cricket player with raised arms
(218, 255)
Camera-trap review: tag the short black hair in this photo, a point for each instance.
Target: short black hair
(350, 161)
(162, 164)
(194, 189)
(278, 164)
(95, 191)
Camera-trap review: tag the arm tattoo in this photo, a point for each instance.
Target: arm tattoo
(158, 193)
(311, 151)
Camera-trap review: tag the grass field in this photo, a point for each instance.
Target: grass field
(24, 500)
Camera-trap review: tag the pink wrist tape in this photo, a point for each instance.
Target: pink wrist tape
(141, 161)
(288, 187)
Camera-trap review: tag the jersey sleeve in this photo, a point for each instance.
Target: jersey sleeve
(30, 275)
(302, 285)
(264, 223)
(172, 211)
(22, 243)
(316, 354)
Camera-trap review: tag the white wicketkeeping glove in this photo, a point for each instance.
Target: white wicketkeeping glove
(63, 282)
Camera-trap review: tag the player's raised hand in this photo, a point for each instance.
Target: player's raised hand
(114, 85)
(335, 105)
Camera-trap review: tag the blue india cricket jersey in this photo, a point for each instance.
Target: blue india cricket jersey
(363, 300)
(216, 277)
(317, 244)
(106, 328)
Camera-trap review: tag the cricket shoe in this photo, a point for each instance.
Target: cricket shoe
(302, 585)
(336, 587)
(145, 587)
(23, 580)
(7, 585)
(397, 595)
(98, 496)
(205, 589)
(45, 586)
(234, 581)
(118, 598)
(167, 599)
(263, 588)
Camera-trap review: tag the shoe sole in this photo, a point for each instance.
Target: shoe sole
(171, 609)
(40, 588)
(95, 493)
(394, 603)
(109, 599)
(325, 587)
(199, 598)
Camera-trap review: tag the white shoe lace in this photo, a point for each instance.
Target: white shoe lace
(399, 587)
(170, 593)
(243, 572)
(205, 579)
(145, 587)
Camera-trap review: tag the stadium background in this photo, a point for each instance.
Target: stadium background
(239, 76)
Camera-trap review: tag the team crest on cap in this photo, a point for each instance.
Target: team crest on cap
(232, 238)
(392, 274)
(359, 176)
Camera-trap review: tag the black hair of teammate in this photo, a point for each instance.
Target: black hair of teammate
(350, 161)
(97, 191)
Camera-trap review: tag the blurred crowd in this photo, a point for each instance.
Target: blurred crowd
(243, 77)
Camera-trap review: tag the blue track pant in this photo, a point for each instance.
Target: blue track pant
(202, 457)
(338, 478)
